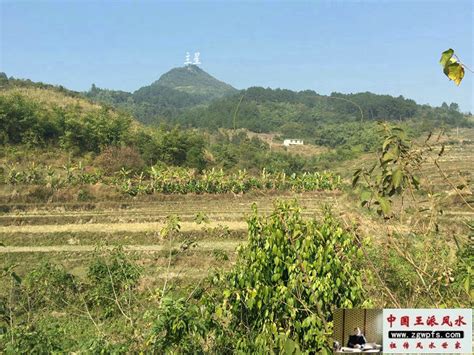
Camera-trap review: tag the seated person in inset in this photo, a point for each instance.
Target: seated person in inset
(357, 340)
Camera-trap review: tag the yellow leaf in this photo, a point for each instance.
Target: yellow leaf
(455, 72)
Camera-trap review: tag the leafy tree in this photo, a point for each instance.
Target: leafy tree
(3, 78)
(288, 279)
(392, 174)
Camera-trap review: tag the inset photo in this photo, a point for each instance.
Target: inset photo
(358, 331)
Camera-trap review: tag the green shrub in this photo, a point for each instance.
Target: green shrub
(178, 328)
(28, 339)
(288, 279)
(49, 285)
(113, 278)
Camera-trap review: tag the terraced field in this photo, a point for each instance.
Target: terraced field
(69, 233)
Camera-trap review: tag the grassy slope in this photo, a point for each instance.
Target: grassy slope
(50, 98)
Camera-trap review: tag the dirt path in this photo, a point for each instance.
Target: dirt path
(116, 227)
(202, 245)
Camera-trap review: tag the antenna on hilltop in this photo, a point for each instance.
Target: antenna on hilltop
(187, 61)
(196, 58)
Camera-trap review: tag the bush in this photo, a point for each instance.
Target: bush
(49, 284)
(178, 328)
(402, 262)
(113, 279)
(40, 193)
(28, 339)
(113, 159)
(288, 279)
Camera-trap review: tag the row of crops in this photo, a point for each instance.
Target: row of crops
(169, 180)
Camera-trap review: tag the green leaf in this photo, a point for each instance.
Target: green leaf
(397, 177)
(452, 68)
(467, 284)
(416, 182)
(365, 195)
(384, 205)
(446, 56)
(16, 277)
(289, 346)
(387, 158)
(372, 168)
(250, 302)
(219, 311)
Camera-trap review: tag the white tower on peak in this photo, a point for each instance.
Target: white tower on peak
(197, 61)
(187, 61)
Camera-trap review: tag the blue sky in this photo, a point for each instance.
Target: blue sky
(389, 47)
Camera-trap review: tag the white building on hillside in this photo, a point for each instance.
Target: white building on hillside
(288, 142)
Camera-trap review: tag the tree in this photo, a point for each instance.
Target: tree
(3, 78)
(454, 106)
(288, 279)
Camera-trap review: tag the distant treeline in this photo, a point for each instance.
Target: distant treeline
(306, 114)
(297, 114)
(193, 137)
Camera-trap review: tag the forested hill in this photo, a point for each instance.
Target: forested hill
(192, 98)
(306, 113)
(193, 80)
(167, 97)
(62, 124)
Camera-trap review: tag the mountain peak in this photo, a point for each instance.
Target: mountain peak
(194, 80)
(192, 67)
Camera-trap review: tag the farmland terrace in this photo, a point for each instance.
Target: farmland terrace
(212, 226)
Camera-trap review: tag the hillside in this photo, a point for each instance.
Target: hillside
(335, 128)
(40, 117)
(334, 121)
(193, 80)
(344, 125)
(265, 110)
(173, 92)
(192, 98)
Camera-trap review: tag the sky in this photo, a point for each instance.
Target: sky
(386, 47)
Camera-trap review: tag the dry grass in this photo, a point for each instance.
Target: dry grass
(51, 97)
(203, 246)
(114, 227)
